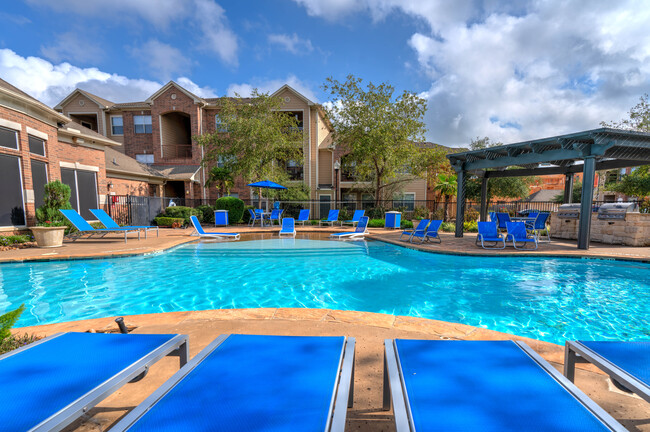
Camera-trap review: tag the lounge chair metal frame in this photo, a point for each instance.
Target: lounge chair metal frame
(329, 220)
(429, 235)
(395, 389)
(101, 232)
(424, 223)
(178, 346)
(342, 396)
(359, 233)
(482, 237)
(105, 219)
(538, 230)
(576, 352)
(302, 221)
(515, 240)
(213, 235)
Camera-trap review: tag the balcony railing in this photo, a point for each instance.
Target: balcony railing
(295, 173)
(177, 151)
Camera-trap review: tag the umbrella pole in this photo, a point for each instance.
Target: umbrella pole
(260, 197)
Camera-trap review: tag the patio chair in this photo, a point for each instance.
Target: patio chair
(249, 383)
(198, 229)
(502, 220)
(487, 386)
(109, 223)
(48, 384)
(358, 214)
(518, 234)
(421, 227)
(303, 217)
(493, 216)
(275, 216)
(540, 225)
(625, 362)
(358, 234)
(431, 233)
(254, 216)
(288, 227)
(332, 217)
(488, 233)
(84, 228)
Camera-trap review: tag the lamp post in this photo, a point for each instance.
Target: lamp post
(337, 167)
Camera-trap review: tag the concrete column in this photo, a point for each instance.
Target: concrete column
(584, 227)
(484, 188)
(460, 202)
(568, 188)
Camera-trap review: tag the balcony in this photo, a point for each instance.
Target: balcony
(177, 151)
(295, 172)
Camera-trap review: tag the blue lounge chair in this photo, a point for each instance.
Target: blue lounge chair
(503, 219)
(249, 383)
(487, 386)
(420, 228)
(288, 227)
(84, 228)
(518, 234)
(625, 362)
(487, 232)
(303, 216)
(540, 225)
(48, 384)
(493, 217)
(198, 229)
(332, 217)
(275, 216)
(255, 216)
(358, 214)
(109, 223)
(430, 234)
(358, 234)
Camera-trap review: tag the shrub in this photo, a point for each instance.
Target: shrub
(376, 223)
(470, 226)
(345, 214)
(471, 215)
(406, 224)
(235, 208)
(14, 239)
(163, 221)
(448, 227)
(376, 213)
(467, 227)
(420, 213)
(13, 342)
(438, 214)
(183, 212)
(56, 197)
(207, 212)
(8, 320)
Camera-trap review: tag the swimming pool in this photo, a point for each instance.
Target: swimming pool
(551, 299)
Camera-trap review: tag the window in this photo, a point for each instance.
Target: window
(407, 200)
(39, 180)
(36, 145)
(83, 185)
(8, 138)
(295, 170)
(219, 124)
(117, 125)
(142, 124)
(144, 158)
(12, 207)
(86, 124)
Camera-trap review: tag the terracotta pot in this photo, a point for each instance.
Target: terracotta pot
(48, 237)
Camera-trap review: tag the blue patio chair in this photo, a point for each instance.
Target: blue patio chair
(421, 228)
(358, 214)
(254, 383)
(540, 225)
(84, 228)
(288, 227)
(212, 235)
(276, 205)
(254, 217)
(332, 217)
(275, 216)
(303, 216)
(493, 216)
(109, 223)
(48, 384)
(503, 219)
(488, 233)
(518, 234)
(430, 234)
(359, 233)
(625, 362)
(487, 386)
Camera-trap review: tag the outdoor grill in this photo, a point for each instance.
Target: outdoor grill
(616, 211)
(569, 211)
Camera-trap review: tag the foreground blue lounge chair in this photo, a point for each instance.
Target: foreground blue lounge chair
(487, 386)
(48, 384)
(488, 233)
(358, 214)
(247, 383)
(430, 234)
(518, 234)
(83, 227)
(540, 225)
(288, 227)
(303, 216)
(359, 233)
(420, 228)
(214, 235)
(332, 217)
(627, 363)
(109, 223)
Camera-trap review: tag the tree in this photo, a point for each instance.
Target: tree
(379, 131)
(636, 184)
(639, 117)
(575, 198)
(254, 139)
(222, 178)
(447, 186)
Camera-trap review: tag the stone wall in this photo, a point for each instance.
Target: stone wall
(633, 231)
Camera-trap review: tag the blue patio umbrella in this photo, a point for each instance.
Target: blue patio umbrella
(267, 184)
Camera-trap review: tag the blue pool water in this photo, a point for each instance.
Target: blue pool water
(544, 298)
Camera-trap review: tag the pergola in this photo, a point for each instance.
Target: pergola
(586, 152)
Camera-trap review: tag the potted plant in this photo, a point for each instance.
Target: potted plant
(51, 225)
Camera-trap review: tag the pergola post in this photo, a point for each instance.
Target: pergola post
(584, 224)
(460, 201)
(484, 187)
(568, 188)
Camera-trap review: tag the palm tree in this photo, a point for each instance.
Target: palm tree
(446, 185)
(223, 179)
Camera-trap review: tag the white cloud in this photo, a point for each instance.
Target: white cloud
(163, 60)
(271, 86)
(50, 83)
(293, 43)
(217, 36)
(69, 46)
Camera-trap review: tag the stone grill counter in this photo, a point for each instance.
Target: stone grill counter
(633, 231)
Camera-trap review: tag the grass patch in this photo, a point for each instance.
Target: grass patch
(14, 239)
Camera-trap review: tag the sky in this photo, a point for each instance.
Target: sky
(508, 70)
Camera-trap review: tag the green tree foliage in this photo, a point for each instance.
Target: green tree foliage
(222, 178)
(253, 137)
(57, 197)
(446, 185)
(635, 184)
(575, 198)
(379, 131)
(235, 208)
(8, 320)
(639, 117)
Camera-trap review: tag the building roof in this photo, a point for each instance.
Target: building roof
(543, 195)
(132, 105)
(98, 100)
(178, 172)
(117, 162)
(19, 94)
(74, 129)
